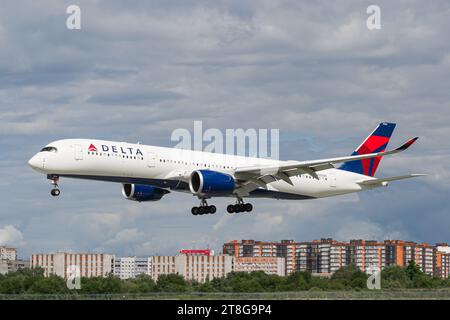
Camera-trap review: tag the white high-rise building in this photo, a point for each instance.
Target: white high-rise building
(131, 267)
(7, 253)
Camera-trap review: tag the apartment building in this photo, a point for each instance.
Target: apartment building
(367, 255)
(251, 248)
(197, 265)
(162, 265)
(7, 253)
(7, 266)
(89, 264)
(203, 267)
(269, 265)
(399, 252)
(131, 267)
(325, 256)
(442, 260)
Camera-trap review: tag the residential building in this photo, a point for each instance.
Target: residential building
(270, 265)
(399, 252)
(131, 267)
(89, 264)
(203, 267)
(162, 265)
(367, 255)
(322, 257)
(442, 260)
(325, 256)
(251, 248)
(7, 266)
(197, 265)
(7, 253)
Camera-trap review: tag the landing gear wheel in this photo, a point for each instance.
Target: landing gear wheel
(248, 207)
(202, 210)
(55, 192)
(230, 209)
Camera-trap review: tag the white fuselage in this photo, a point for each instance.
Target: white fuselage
(170, 167)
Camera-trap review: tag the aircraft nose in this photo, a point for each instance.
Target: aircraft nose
(34, 162)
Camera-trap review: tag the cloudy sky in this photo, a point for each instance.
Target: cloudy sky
(137, 70)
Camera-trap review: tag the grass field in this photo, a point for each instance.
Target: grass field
(300, 295)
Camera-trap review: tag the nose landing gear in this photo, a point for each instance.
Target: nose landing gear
(54, 182)
(204, 208)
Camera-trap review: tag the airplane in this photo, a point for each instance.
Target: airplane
(147, 173)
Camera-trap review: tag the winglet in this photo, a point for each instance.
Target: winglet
(407, 144)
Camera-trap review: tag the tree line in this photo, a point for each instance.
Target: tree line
(33, 281)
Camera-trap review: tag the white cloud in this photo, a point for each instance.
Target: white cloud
(367, 230)
(10, 236)
(126, 236)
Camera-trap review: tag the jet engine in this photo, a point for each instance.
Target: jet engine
(208, 182)
(138, 192)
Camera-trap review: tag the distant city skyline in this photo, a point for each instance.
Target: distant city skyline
(138, 70)
(322, 257)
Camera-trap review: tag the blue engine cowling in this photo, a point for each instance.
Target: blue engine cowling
(208, 182)
(138, 192)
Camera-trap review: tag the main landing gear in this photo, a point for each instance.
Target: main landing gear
(240, 206)
(54, 182)
(204, 208)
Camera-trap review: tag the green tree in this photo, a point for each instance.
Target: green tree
(244, 282)
(413, 271)
(350, 277)
(171, 283)
(49, 285)
(297, 281)
(19, 282)
(141, 284)
(395, 277)
(101, 285)
(220, 284)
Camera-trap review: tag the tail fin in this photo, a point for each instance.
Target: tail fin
(377, 141)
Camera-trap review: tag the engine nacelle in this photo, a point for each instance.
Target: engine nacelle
(138, 192)
(208, 182)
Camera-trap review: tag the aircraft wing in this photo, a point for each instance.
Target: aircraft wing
(383, 181)
(254, 177)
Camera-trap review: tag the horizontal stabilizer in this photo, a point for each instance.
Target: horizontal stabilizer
(383, 181)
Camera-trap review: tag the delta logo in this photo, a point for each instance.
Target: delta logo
(116, 149)
(92, 148)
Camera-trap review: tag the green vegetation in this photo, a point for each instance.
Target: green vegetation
(345, 279)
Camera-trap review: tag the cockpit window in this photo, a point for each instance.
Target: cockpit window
(49, 149)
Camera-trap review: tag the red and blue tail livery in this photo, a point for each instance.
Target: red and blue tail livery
(377, 141)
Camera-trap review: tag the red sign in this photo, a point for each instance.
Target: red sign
(205, 252)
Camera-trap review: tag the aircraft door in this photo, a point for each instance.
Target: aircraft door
(151, 159)
(332, 180)
(78, 152)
